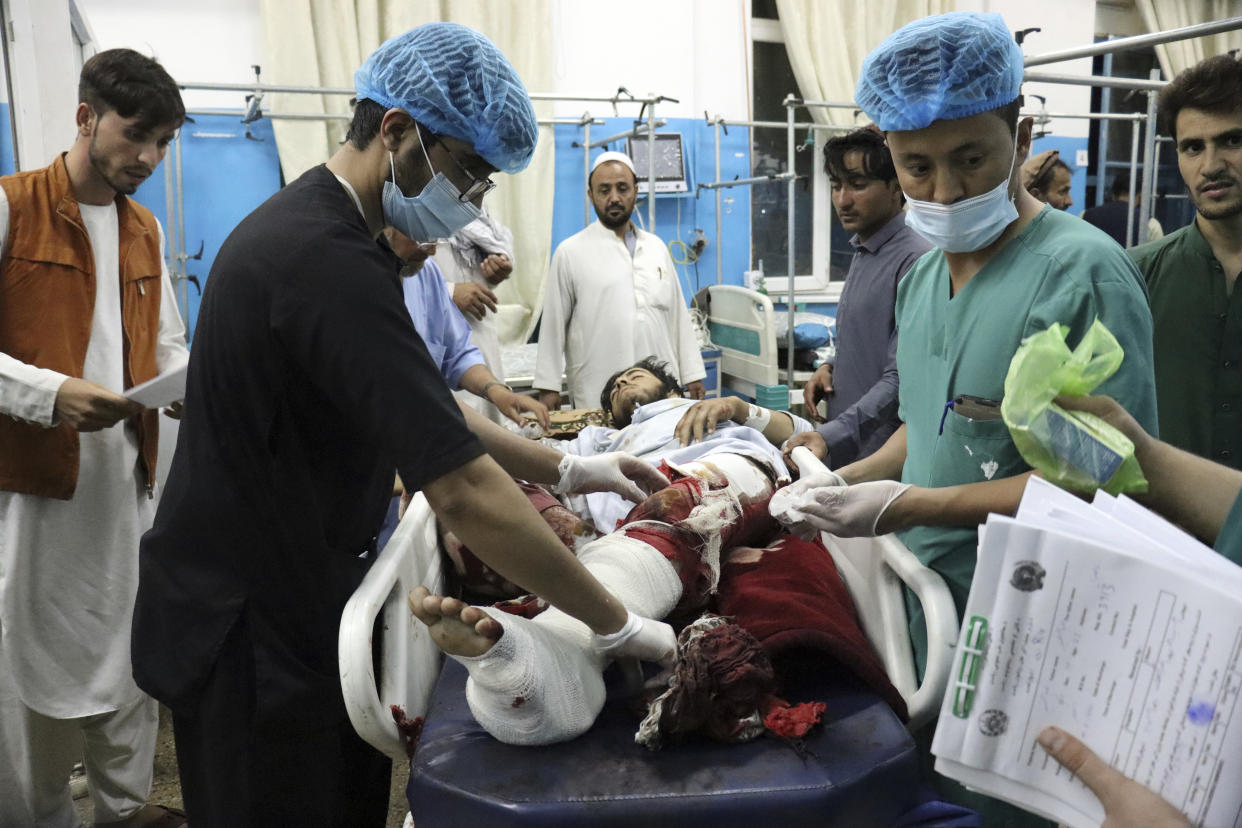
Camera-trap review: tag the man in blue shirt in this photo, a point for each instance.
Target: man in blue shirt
(446, 333)
(860, 382)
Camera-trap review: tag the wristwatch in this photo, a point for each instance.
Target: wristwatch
(488, 387)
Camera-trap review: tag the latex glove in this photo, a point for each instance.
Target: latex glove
(640, 638)
(615, 471)
(844, 511)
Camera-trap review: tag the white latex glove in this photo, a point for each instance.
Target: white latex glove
(615, 471)
(844, 511)
(640, 638)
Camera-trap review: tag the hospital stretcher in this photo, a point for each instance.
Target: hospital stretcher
(858, 768)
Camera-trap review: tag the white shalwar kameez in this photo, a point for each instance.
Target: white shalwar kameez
(457, 261)
(604, 310)
(68, 576)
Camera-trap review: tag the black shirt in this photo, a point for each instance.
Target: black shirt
(307, 384)
(1111, 217)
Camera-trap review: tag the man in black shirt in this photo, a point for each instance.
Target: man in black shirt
(307, 384)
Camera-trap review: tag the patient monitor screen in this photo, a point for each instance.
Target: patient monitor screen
(670, 165)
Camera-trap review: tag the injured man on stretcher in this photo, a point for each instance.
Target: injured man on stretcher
(706, 544)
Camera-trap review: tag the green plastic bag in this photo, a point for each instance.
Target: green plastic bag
(1072, 449)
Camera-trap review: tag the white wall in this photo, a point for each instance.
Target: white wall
(45, 61)
(1064, 24)
(692, 50)
(214, 41)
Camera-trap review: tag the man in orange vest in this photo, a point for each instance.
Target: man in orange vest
(86, 312)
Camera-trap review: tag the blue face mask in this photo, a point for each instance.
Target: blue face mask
(435, 213)
(967, 225)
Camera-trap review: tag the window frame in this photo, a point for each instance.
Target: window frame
(816, 286)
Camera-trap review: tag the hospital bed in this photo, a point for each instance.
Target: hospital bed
(742, 324)
(858, 768)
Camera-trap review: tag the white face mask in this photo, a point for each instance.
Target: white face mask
(967, 225)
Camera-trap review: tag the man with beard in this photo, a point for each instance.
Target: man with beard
(87, 312)
(612, 297)
(1047, 177)
(1191, 273)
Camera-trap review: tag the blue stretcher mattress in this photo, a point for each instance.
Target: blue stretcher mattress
(859, 768)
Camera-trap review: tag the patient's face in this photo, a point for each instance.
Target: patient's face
(633, 388)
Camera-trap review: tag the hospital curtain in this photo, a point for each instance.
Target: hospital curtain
(1176, 57)
(322, 42)
(826, 41)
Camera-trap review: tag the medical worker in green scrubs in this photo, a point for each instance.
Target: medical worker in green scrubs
(945, 90)
(1006, 266)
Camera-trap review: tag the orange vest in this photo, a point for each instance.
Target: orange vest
(47, 298)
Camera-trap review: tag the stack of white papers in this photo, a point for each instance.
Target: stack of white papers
(1114, 625)
(165, 389)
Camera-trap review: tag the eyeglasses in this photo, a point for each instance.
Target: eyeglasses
(478, 186)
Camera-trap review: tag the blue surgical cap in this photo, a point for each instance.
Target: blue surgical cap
(455, 82)
(939, 68)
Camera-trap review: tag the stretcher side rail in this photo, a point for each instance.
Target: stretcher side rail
(409, 661)
(874, 570)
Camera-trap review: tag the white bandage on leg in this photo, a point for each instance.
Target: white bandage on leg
(540, 683)
(638, 575)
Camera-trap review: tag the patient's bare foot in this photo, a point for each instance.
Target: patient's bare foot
(456, 627)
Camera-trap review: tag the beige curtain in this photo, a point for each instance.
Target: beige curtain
(827, 40)
(1176, 57)
(321, 43)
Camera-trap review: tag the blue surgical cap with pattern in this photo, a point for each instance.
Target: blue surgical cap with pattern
(455, 82)
(939, 68)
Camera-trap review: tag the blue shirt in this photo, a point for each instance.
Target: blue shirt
(444, 330)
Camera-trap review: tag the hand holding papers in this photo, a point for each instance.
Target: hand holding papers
(163, 390)
(1115, 626)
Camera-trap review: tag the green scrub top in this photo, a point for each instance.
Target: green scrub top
(1058, 269)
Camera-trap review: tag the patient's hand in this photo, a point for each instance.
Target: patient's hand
(812, 440)
(699, 421)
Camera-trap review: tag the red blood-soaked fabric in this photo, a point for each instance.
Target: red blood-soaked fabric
(793, 722)
(721, 680)
(792, 598)
(683, 548)
(525, 606)
(472, 575)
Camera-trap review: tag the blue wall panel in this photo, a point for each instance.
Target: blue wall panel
(7, 164)
(224, 177)
(677, 215)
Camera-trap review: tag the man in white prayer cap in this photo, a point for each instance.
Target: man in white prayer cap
(612, 298)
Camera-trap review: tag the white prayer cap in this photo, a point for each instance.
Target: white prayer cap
(605, 157)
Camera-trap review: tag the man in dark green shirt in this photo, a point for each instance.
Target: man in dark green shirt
(1191, 273)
